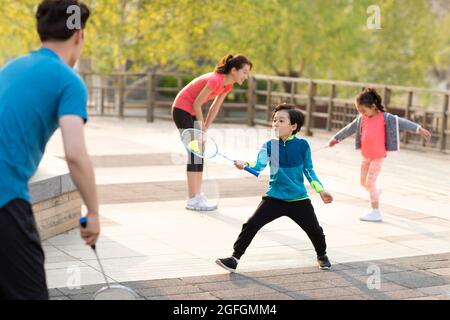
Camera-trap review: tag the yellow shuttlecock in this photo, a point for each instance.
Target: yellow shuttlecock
(193, 146)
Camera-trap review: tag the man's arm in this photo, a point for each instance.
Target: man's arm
(82, 172)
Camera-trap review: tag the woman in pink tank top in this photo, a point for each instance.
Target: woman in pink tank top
(187, 113)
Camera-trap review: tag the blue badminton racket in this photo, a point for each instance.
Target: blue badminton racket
(203, 146)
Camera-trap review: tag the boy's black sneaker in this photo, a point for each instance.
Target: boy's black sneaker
(324, 263)
(229, 264)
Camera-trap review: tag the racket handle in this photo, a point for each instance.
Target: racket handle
(252, 171)
(83, 224)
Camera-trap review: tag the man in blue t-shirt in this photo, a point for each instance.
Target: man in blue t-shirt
(40, 92)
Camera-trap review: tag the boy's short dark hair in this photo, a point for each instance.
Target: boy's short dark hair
(52, 18)
(295, 115)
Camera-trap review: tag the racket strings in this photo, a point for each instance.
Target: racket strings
(199, 143)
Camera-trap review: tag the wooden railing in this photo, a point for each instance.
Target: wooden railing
(327, 104)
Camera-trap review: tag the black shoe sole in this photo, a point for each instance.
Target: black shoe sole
(325, 268)
(218, 262)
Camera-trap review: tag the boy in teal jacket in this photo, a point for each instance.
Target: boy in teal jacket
(289, 159)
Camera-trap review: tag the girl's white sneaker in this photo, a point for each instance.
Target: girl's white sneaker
(372, 216)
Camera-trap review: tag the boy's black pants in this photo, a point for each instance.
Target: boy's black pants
(302, 212)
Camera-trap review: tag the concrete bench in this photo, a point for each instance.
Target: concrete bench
(56, 202)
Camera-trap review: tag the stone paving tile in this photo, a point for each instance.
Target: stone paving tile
(352, 297)
(60, 298)
(131, 160)
(227, 285)
(423, 298)
(156, 283)
(280, 280)
(86, 296)
(443, 256)
(340, 266)
(435, 221)
(299, 277)
(436, 290)
(83, 290)
(423, 258)
(55, 293)
(386, 291)
(385, 287)
(416, 236)
(166, 291)
(323, 293)
(244, 292)
(173, 190)
(270, 296)
(272, 273)
(391, 268)
(426, 282)
(300, 286)
(441, 271)
(355, 272)
(349, 282)
(214, 278)
(431, 264)
(187, 296)
(396, 295)
(323, 275)
(416, 280)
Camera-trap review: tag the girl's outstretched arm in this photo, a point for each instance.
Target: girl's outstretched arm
(345, 132)
(408, 125)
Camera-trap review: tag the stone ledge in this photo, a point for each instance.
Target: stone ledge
(55, 199)
(52, 179)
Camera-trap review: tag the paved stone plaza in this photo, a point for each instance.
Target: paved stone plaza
(151, 243)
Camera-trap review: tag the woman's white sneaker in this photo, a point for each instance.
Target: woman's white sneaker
(200, 203)
(204, 203)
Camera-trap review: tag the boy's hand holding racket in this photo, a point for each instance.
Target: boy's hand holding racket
(240, 164)
(326, 197)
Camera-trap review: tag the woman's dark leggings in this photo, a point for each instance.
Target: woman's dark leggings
(184, 120)
(302, 212)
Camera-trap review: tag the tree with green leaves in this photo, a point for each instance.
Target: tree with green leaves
(314, 39)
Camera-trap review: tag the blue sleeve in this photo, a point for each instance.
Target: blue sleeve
(309, 172)
(73, 99)
(407, 125)
(262, 160)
